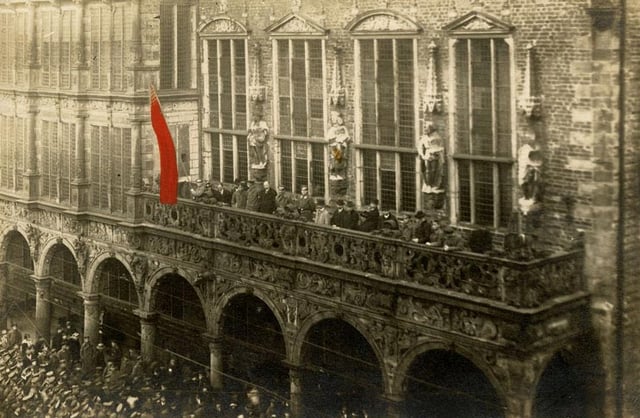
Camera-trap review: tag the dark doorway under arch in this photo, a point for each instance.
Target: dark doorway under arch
(66, 304)
(19, 290)
(340, 369)
(253, 347)
(181, 321)
(118, 299)
(561, 391)
(444, 384)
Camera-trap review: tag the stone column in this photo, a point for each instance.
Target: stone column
(80, 182)
(394, 405)
(295, 391)
(31, 173)
(91, 302)
(133, 199)
(147, 334)
(215, 362)
(43, 306)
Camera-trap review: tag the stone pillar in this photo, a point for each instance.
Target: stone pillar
(295, 391)
(133, 199)
(91, 302)
(43, 307)
(80, 182)
(31, 173)
(80, 55)
(215, 363)
(394, 404)
(147, 334)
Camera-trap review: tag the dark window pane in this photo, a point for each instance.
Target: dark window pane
(462, 97)
(484, 198)
(370, 176)
(506, 198)
(215, 157)
(388, 181)
(227, 158)
(213, 84)
(503, 98)
(408, 182)
(286, 173)
(243, 165)
(464, 184)
(317, 169)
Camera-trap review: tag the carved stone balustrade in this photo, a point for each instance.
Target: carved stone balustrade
(522, 284)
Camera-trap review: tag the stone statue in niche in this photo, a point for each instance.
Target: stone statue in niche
(431, 152)
(529, 177)
(258, 138)
(338, 138)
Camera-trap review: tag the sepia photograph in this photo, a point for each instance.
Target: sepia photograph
(320, 209)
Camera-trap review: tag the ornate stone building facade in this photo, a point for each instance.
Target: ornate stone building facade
(494, 115)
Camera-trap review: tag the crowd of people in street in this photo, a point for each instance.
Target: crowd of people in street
(262, 197)
(67, 379)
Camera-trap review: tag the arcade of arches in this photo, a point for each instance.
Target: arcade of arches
(320, 361)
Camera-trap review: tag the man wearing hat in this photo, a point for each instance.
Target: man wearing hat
(283, 198)
(222, 195)
(198, 190)
(323, 217)
(371, 217)
(267, 199)
(306, 205)
(87, 355)
(421, 229)
(339, 218)
(239, 197)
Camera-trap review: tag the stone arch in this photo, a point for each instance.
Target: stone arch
(405, 363)
(222, 25)
(42, 266)
(223, 301)
(6, 237)
(91, 277)
(151, 286)
(383, 20)
(307, 325)
(571, 357)
(4, 241)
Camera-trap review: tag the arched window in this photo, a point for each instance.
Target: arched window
(115, 282)
(301, 100)
(482, 114)
(63, 266)
(225, 100)
(386, 119)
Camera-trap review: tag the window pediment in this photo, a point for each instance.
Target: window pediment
(295, 24)
(222, 26)
(376, 21)
(478, 23)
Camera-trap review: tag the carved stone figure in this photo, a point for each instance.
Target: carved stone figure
(431, 152)
(338, 138)
(258, 138)
(529, 177)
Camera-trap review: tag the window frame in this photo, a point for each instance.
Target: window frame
(235, 132)
(454, 157)
(362, 147)
(176, 70)
(291, 139)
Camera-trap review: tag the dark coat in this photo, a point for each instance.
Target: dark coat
(371, 220)
(267, 201)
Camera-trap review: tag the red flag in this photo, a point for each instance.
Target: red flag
(168, 163)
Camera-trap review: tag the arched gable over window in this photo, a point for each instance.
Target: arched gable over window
(375, 21)
(222, 26)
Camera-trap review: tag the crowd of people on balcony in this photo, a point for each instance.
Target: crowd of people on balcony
(262, 197)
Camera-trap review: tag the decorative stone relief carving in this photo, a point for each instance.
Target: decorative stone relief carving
(366, 296)
(384, 22)
(191, 253)
(318, 284)
(449, 318)
(82, 253)
(100, 231)
(222, 25)
(271, 273)
(48, 219)
(70, 224)
(33, 236)
(478, 24)
(160, 245)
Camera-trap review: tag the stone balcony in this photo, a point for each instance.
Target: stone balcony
(517, 284)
